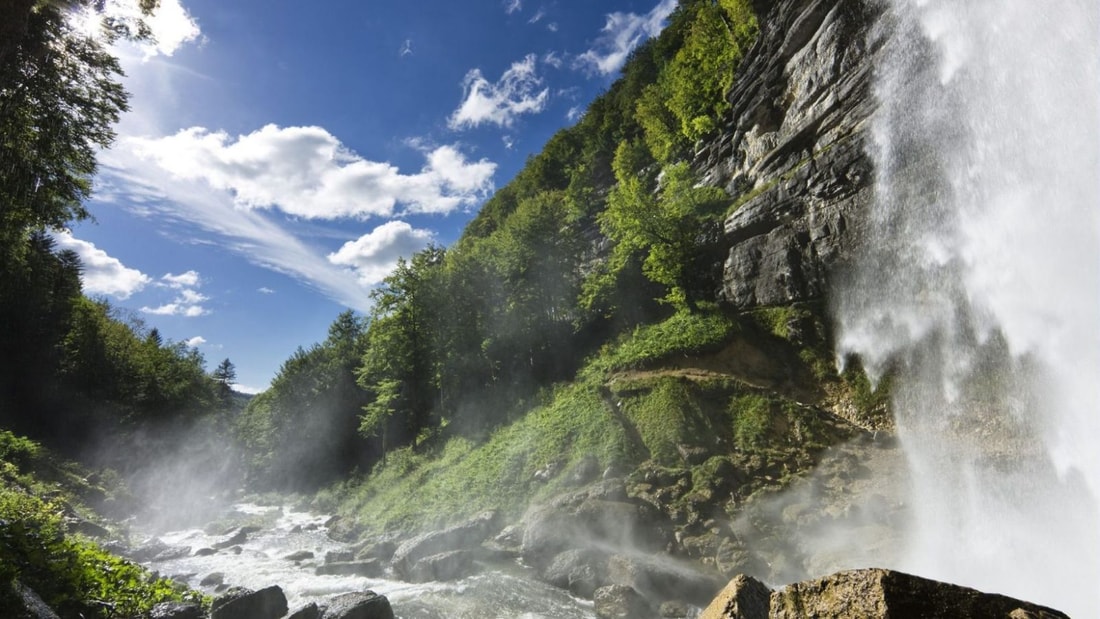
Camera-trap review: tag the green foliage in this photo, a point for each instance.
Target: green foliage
(683, 333)
(752, 419)
(666, 414)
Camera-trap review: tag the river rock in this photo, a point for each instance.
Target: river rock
(269, 603)
(176, 610)
(600, 515)
(879, 594)
(663, 578)
(580, 570)
(621, 602)
(309, 611)
(444, 566)
(301, 555)
(172, 553)
(234, 538)
(363, 605)
(743, 598)
(465, 536)
(371, 568)
(212, 580)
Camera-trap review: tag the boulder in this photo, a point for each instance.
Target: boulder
(743, 598)
(663, 578)
(301, 555)
(450, 565)
(269, 603)
(212, 580)
(362, 605)
(171, 553)
(339, 556)
(176, 610)
(621, 602)
(598, 516)
(234, 538)
(371, 568)
(464, 536)
(879, 594)
(581, 571)
(309, 611)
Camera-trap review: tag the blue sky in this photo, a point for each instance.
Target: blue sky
(280, 156)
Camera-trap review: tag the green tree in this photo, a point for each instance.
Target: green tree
(225, 376)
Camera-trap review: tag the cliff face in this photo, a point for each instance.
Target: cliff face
(795, 148)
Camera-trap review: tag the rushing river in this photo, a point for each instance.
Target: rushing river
(262, 562)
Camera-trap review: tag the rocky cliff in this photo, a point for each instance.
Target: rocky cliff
(794, 149)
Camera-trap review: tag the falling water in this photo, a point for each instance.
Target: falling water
(978, 289)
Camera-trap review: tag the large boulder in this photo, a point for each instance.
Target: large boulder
(663, 578)
(176, 610)
(450, 565)
(867, 594)
(743, 598)
(621, 602)
(269, 603)
(598, 516)
(880, 594)
(464, 536)
(580, 570)
(362, 605)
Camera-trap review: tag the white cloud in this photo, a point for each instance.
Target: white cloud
(101, 273)
(170, 25)
(620, 35)
(406, 48)
(537, 16)
(517, 92)
(552, 26)
(196, 341)
(176, 309)
(374, 255)
(511, 6)
(140, 184)
(239, 388)
(265, 290)
(190, 279)
(307, 172)
(509, 141)
(574, 113)
(192, 296)
(553, 59)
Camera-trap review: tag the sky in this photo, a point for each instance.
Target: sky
(279, 157)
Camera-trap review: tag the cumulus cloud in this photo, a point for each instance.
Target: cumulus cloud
(176, 309)
(101, 273)
(170, 25)
(620, 35)
(519, 91)
(188, 301)
(307, 172)
(196, 341)
(189, 279)
(374, 255)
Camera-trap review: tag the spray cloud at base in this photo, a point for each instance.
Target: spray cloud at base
(978, 287)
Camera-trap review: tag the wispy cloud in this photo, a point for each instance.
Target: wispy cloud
(519, 91)
(307, 172)
(552, 26)
(553, 59)
(620, 35)
(141, 185)
(265, 290)
(537, 16)
(511, 6)
(101, 273)
(374, 255)
(406, 48)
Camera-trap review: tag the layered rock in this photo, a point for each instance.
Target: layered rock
(868, 594)
(795, 151)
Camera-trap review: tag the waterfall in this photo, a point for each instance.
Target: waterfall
(977, 289)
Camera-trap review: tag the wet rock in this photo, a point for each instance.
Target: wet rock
(599, 515)
(581, 571)
(444, 566)
(743, 598)
(620, 602)
(301, 555)
(879, 593)
(145, 552)
(664, 578)
(176, 610)
(269, 603)
(234, 538)
(363, 605)
(212, 580)
(464, 536)
(309, 611)
(205, 552)
(674, 610)
(378, 548)
(371, 568)
(339, 556)
(170, 554)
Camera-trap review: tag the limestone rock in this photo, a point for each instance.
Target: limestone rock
(879, 593)
(362, 605)
(269, 603)
(743, 598)
(464, 536)
(621, 602)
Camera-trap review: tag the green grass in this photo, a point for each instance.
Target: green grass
(683, 334)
